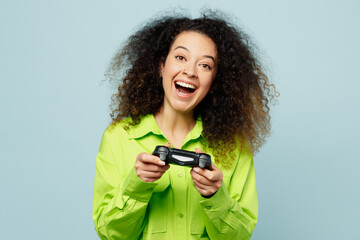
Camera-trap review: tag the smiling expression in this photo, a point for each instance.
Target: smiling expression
(188, 71)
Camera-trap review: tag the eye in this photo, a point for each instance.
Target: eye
(206, 66)
(181, 58)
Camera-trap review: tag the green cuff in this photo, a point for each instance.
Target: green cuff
(137, 189)
(218, 204)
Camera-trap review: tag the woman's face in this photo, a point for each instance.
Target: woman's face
(188, 71)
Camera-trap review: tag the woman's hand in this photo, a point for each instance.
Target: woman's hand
(206, 182)
(150, 168)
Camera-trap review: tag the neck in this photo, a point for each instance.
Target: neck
(175, 125)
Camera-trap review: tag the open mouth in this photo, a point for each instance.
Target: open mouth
(184, 88)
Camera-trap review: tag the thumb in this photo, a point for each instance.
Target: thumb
(197, 150)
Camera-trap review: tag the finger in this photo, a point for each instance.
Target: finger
(149, 179)
(203, 190)
(207, 188)
(148, 158)
(168, 144)
(212, 176)
(214, 167)
(201, 185)
(154, 168)
(198, 186)
(147, 174)
(198, 150)
(201, 179)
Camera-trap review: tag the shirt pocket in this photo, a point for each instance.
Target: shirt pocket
(157, 212)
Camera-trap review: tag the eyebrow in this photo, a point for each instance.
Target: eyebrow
(207, 56)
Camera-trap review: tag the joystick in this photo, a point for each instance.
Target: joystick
(183, 157)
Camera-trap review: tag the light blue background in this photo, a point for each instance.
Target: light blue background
(53, 55)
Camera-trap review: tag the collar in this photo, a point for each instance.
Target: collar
(148, 125)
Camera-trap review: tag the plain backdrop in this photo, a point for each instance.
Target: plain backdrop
(54, 109)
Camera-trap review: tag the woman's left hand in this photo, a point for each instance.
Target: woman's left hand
(206, 182)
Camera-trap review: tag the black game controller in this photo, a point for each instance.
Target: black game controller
(183, 157)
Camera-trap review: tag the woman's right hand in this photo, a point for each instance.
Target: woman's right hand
(150, 168)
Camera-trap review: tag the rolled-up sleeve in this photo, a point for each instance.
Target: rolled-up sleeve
(232, 211)
(119, 205)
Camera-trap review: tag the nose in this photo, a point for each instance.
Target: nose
(190, 70)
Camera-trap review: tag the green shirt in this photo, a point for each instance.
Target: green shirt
(125, 207)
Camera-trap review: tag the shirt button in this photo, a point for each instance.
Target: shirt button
(181, 215)
(180, 174)
(149, 189)
(208, 207)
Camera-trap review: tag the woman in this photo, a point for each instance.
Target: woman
(190, 84)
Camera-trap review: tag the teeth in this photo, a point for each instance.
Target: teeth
(182, 84)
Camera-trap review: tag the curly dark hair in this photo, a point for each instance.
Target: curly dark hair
(235, 109)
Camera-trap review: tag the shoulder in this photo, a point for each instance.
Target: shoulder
(243, 152)
(244, 162)
(127, 128)
(236, 155)
(118, 129)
